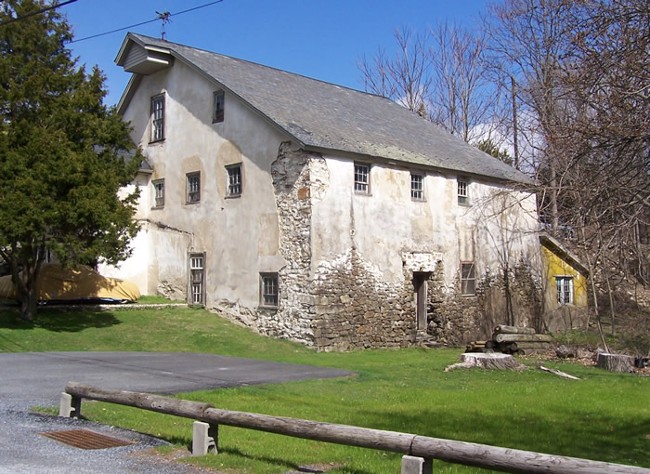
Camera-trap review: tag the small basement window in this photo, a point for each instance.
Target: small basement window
(269, 289)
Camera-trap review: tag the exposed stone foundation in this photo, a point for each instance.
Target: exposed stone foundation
(457, 319)
(355, 309)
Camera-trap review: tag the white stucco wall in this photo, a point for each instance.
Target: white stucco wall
(386, 223)
(238, 235)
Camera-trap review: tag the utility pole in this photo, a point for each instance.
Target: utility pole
(515, 129)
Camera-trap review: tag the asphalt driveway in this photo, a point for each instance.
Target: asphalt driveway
(29, 379)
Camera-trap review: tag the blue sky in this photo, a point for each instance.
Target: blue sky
(316, 38)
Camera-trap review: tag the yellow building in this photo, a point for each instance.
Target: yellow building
(565, 286)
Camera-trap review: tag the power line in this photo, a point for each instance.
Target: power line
(37, 12)
(160, 16)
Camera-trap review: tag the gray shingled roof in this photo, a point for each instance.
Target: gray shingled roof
(330, 117)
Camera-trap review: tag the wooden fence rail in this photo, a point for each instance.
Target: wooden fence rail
(459, 452)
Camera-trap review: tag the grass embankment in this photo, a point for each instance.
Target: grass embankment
(604, 416)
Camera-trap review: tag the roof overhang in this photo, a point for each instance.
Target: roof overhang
(560, 250)
(143, 59)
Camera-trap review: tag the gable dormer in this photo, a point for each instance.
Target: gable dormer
(143, 59)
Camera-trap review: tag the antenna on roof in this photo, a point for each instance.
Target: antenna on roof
(165, 17)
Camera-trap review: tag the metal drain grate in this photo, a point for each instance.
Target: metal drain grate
(86, 439)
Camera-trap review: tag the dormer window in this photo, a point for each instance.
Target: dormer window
(158, 118)
(218, 106)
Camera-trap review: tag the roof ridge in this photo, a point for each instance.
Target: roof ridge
(266, 66)
(333, 119)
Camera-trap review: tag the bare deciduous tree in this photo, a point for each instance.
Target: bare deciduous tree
(441, 75)
(583, 74)
(464, 100)
(406, 77)
(529, 41)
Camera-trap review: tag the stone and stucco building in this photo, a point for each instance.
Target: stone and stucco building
(318, 213)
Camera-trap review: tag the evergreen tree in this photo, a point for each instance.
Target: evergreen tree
(488, 146)
(64, 156)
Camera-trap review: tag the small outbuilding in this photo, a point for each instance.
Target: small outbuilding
(58, 284)
(565, 285)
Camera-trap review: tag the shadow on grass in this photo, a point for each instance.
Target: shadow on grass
(574, 432)
(58, 319)
(285, 464)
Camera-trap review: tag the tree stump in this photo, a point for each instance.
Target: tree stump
(615, 362)
(496, 360)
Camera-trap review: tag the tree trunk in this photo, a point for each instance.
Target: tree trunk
(29, 306)
(25, 284)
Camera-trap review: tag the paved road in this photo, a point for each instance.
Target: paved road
(29, 379)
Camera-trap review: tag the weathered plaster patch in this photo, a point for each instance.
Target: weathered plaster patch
(421, 261)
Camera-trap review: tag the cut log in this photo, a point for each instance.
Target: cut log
(615, 362)
(147, 401)
(486, 361)
(523, 338)
(534, 345)
(503, 329)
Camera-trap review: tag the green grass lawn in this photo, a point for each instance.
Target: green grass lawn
(604, 416)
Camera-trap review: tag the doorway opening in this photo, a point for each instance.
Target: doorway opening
(420, 289)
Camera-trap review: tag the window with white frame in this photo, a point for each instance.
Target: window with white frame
(218, 106)
(193, 187)
(159, 193)
(564, 285)
(158, 118)
(269, 289)
(197, 279)
(467, 278)
(417, 187)
(463, 192)
(234, 188)
(362, 178)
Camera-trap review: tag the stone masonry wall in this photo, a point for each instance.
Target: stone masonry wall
(453, 319)
(344, 305)
(457, 319)
(356, 310)
(291, 180)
